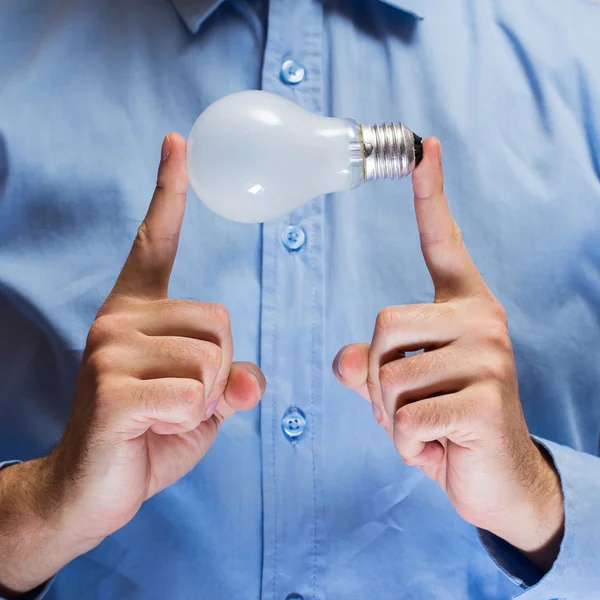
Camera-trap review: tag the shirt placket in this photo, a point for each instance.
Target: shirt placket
(292, 313)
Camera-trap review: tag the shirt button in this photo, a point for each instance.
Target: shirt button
(293, 425)
(294, 597)
(291, 72)
(293, 237)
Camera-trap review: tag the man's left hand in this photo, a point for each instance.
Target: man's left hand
(453, 410)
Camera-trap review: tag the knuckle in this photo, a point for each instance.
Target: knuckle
(387, 317)
(193, 398)
(204, 354)
(492, 333)
(212, 314)
(404, 422)
(498, 311)
(497, 331)
(141, 235)
(219, 315)
(104, 328)
(498, 335)
(496, 367)
(504, 345)
(205, 357)
(148, 238)
(102, 360)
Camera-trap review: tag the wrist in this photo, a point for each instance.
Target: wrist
(536, 525)
(34, 543)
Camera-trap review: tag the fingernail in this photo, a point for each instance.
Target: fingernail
(376, 412)
(258, 385)
(210, 411)
(166, 149)
(337, 362)
(439, 151)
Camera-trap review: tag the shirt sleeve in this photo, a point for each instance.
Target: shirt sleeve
(39, 592)
(575, 574)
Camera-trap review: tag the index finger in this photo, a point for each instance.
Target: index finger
(450, 265)
(148, 267)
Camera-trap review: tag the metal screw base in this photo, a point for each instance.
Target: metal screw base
(389, 151)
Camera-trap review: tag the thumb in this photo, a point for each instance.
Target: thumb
(451, 268)
(148, 267)
(246, 385)
(351, 367)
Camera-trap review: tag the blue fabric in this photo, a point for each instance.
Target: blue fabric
(88, 90)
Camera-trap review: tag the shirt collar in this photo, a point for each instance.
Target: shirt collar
(195, 12)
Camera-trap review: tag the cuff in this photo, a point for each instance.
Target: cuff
(36, 594)
(574, 574)
(39, 592)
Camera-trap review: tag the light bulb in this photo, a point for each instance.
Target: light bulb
(254, 156)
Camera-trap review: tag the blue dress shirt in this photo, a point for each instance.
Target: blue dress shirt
(305, 496)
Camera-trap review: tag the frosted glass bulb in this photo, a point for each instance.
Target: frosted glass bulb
(254, 156)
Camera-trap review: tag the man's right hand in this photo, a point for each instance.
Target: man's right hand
(155, 383)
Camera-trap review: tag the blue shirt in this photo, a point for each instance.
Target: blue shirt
(87, 91)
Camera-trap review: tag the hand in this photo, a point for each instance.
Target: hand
(155, 383)
(454, 409)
